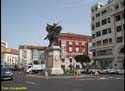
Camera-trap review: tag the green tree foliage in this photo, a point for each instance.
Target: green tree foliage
(82, 58)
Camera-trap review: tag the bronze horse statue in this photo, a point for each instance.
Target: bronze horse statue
(53, 31)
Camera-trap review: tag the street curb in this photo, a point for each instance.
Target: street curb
(61, 77)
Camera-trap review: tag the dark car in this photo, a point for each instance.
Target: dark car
(6, 74)
(82, 71)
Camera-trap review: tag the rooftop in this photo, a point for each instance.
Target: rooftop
(73, 34)
(32, 47)
(10, 51)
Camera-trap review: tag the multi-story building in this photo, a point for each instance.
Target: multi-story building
(72, 45)
(4, 45)
(107, 22)
(29, 54)
(10, 57)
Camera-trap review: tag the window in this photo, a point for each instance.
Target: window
(122, 4)
(101, 5)
(104, 31)
(108, 19)
(77, 49)
(70, 60)
(104, 21)
(123, 26)
(109, 9)
(118, 28)
(92, 10)
(93, 18)
(93, 36)
(98, 43)
(93, 44)
(123, 15)
(8, 58)
(104, 52)
(119, 39)
(108, 52)
(70, 43)
(63, 59)
(97, 15)
(110, 40)
(94, 53)
(35, 62)
(97, 24)
(93, 27)
(98, 34)
(105, 41)
(122, 50)
(98, 53)
(96, 8)
(116, 6)
(70, 49)
(118, 17)
(109, 30)
(103, 12)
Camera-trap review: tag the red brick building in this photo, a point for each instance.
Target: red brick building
(71, 45)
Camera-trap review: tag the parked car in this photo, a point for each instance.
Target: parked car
(93, 70)
(6, 74)
(107, 70)
(81, 71)
(120, 71)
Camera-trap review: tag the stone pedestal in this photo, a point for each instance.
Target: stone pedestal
(53, 61)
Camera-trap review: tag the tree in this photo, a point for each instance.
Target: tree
(82, 58)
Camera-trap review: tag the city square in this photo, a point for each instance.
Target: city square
(72, 52)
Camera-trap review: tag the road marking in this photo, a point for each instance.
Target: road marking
(118, 78)
(103, 78)
(86, 79)
(111, 77)
(29, 82)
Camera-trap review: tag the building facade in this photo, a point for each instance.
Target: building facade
(10, 57)
(72, 45)
(107, 22)
(4, 45)
(29, 54)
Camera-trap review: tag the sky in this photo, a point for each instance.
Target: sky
(23, 22)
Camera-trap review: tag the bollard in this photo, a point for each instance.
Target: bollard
(46, 75)
(97, 74)
(76, 74)
(77, 77)
(91, 74)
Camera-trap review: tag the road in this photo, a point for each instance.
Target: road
(34, 83)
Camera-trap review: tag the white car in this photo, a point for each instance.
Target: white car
(120, 71)
(83, 71)
(108, 71)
